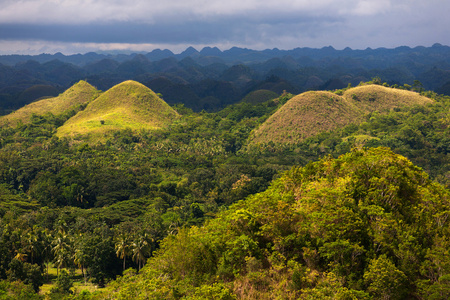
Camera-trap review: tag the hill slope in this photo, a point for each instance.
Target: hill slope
(357, 226)
(259, 96)
(313, 112)
(79, 94)
(126, 105)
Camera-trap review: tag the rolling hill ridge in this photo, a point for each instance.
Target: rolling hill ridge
(126, 105)
(79, 94)
(310, 113)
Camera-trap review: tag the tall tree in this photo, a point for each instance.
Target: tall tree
(122, 246)
(61, 249)
(141, 248)
(79, 256)
(33, 243)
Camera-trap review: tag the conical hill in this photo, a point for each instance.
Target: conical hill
(313, 112)
(79, 94)
(126, 105)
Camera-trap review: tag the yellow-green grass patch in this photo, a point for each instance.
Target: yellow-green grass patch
(79, 94)
(126, 105)
(79, 283)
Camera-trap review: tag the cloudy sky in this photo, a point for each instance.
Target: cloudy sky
(79, 26)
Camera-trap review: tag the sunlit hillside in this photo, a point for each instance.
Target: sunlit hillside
(79, 94)
(126, 105)
(313, 112)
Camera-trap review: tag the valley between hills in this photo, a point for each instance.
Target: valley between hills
(337, 193)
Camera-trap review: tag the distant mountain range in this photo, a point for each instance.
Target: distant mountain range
(238, 55)
(211, 79)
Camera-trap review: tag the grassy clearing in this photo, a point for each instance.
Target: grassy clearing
(313, 112)
(126, 105)
(79, 94)
(79, 284)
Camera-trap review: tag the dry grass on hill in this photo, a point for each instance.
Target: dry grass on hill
(310, 113)
(379, 98)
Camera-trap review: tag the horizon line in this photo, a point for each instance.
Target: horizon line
(131, 51)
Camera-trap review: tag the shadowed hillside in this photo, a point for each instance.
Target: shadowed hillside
(313, 112)
(259, 96)
(128, 105)
(79, 94)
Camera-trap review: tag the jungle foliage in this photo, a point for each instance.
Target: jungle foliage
(190, 210)
(368, 225)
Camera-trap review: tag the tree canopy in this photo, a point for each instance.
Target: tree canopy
(367, 224)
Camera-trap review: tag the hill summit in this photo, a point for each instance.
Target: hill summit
(313, 112)
(127, 105)
(357, 227)
(79, 94)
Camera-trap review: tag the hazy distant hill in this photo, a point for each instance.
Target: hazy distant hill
(313, 112)
(79, 94)
(236, 55)
(191, 72)
(259, 96)
(126, 105)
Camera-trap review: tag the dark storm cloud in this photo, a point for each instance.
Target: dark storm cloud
(250, 23)
(228, 28)
(114, 33)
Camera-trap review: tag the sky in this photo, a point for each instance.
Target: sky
(69, 26)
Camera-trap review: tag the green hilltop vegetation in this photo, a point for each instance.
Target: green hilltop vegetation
(313, 112)
(126, 105)
(190, 208)
(368, 225)
(74, 98)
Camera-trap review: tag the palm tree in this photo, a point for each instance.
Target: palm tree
(61, 250)
(33, 241)
(122, 246)
(141, 248)
(21, 256)
(79, 256)
(47, 248)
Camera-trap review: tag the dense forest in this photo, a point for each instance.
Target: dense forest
(194, 210)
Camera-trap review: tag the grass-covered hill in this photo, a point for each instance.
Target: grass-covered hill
(128, 105)
(78, 95)
(313, 112)
(259, 96)
(368, 225)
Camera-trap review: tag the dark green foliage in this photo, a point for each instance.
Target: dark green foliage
(28, 273)
(17, 290)
(63, 284)
(99, 256)
(357, 226)
(384, 280)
